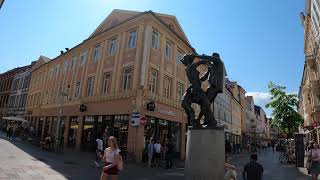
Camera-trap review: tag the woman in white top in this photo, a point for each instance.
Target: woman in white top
(111, 156)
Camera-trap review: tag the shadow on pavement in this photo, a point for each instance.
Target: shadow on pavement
(79, 165)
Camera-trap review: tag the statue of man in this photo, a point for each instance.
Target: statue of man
(216, 74)
(195, 94)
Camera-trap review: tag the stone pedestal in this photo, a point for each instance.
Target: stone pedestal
(205, 156)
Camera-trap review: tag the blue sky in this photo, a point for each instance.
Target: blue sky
(259, 40)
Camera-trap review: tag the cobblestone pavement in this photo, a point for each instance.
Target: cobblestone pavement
(21, 160)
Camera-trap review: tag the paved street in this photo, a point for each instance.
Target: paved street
(273, 170)
(21, 160)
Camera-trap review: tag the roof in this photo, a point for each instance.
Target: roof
(137, 14)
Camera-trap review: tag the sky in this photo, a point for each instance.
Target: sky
(258, 40)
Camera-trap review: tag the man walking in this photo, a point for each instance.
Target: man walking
(157, 153)
(252, 170)
(99, 151)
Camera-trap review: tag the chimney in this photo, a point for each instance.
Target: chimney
(67, 49)
(61, 52)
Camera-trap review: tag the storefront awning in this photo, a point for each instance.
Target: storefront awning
(85, 127)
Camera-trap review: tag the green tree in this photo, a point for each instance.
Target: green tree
(284, 115)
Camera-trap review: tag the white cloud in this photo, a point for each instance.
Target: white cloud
(261, 99)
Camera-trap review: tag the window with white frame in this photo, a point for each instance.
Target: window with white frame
(132, 39)
(153, 81)
(106, 83)
(155, 40)
(167, 83)
(83, 58)
(90, 86)
(112, 46)
(179, 91)
(179, 56)
(96, 53)
(77, 90)
(168, 50)
(127, 78)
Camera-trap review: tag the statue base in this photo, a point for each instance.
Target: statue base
(205, 156)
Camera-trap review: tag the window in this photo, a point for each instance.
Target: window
(155, 40)
(153, 81)
(179, 91)
(127, 79)
(73, 64)
(106, 83)
(77, 90)
(90, 86)
(96, 54)
(168, 50)
(167, 87)
(132, 39)
(83, 58)
(65, 67)
(113, 46)
(179, 56)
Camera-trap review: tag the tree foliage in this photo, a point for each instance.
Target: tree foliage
(284, 115)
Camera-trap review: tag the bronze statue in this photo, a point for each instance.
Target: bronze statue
(195, 94)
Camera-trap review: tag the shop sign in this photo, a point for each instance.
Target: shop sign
(135, 119)
(167, 112)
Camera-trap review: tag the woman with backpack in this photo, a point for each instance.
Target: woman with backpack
(113, 160)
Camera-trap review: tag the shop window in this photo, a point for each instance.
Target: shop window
(73, 130)
(163, 130)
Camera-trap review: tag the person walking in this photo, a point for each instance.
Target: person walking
(150, 152)
(314, 159)
(99, 152)
(157, 153)
(252, 170)
(169, 156)
(112, 158)
(230, 170)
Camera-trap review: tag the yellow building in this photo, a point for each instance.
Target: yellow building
(130, 62)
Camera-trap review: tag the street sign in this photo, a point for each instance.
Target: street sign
(135, 119)
(143, 120)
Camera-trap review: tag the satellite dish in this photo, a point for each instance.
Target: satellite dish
(25, 124)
